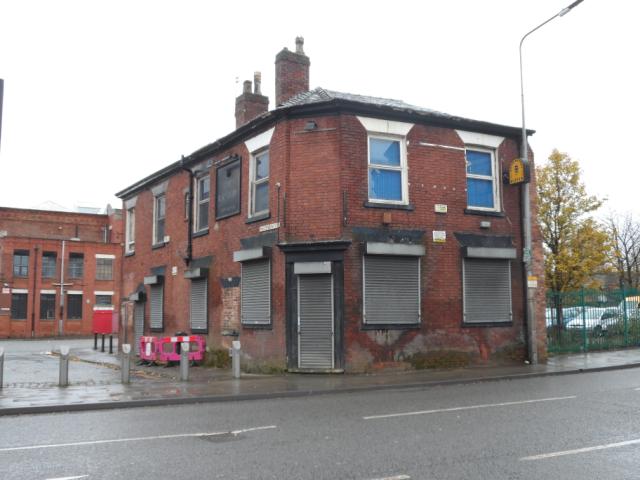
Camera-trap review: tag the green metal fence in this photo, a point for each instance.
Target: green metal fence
(588, 320)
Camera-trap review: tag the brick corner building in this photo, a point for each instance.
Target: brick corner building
(55, 268)
(336, 232)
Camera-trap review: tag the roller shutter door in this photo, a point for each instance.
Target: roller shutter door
(315, 322)
(391, 290)
(138, 324)
(198, 311)
(487, 291)
(156, 314)
(256, 292)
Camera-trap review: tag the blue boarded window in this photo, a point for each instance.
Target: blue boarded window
(481, 185)
(387, 171)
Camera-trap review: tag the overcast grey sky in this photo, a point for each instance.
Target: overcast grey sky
(99, 94)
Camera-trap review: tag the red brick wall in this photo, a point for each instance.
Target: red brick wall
(436, 176)
(47, 224)
(35, 283)
(314, 170)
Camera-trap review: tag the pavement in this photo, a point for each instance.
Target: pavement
(31, 367)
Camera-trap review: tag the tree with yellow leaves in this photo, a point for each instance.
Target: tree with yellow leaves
(575, 245)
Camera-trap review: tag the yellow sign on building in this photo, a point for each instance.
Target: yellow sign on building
(517, 172)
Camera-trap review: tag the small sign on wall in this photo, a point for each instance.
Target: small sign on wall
(439, 236)
(270, 226)
(532, 281)
(440, 208)
(6, 290)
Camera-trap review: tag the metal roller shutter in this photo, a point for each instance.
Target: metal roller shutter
(256, 292)
(198, 309)
(391, 290)
(487, 290)
(138, 325)
(315, 322)
(156, 314)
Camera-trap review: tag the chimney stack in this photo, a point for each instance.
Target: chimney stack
(292, 72)
(250, 105)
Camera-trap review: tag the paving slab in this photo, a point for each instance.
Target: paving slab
(30, 379)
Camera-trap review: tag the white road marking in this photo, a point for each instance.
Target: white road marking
(68, 478)
(135, 439)
(471, 407)
(581, 450)
(397, 477)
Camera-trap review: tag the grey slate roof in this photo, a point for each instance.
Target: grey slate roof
(319, 95)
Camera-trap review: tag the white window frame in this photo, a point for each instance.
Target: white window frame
(253, 182)
(403, 168)
(130, 230)
(198, 202)
(156, 198)
(493, 177)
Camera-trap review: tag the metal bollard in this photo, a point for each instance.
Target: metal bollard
(126, 362)
(235, 358)
(64, 367)
(1, 365)
(111, 344)
(184, 361)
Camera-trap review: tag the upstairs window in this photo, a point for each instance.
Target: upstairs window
(76, 265)
(228, 189)
(104, 267)
(387, 170)
(21, 263)
(49, 265)
(259, 184)
(159, 212)
(201, 210)
(482, 185)
(130, 231)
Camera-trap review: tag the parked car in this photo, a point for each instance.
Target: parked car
(568, 314)
(596, 319)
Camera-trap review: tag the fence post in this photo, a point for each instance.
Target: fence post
(585, 343)
(184, 361)
(126, 362)
(63, 379)
(625, 316)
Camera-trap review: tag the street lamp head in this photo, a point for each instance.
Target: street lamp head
(566, 10)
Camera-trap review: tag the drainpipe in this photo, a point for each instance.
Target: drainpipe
(189, 253)
(61, 321)
(33, 294)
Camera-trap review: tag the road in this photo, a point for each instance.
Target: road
(583, 426)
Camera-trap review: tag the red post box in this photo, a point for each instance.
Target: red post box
(103, 321)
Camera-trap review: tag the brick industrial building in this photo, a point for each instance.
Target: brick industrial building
(336, 232)
(55, 268)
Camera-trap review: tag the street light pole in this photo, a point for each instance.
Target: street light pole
(532, 344)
